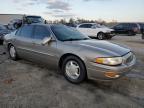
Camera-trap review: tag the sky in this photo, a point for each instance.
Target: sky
(108, 10)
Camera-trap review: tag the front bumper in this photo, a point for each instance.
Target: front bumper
(109, 34)
(98, 71)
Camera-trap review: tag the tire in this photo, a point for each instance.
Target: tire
(101, 36)
(74, 69)
(12, 53)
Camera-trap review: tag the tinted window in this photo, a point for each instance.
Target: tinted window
(26, 31)
(126, 25)
(119, 26)
(85, 26)
(133, 25)
(64, 33)
(141, 25)
(41, 32)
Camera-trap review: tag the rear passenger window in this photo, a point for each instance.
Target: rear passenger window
(85, 26)
(133, 25)
(26, 31)
(41, 32)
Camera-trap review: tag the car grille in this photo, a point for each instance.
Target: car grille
(128, 58)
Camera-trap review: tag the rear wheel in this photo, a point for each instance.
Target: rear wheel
(12, 52)
(100, 36)
(74, 69)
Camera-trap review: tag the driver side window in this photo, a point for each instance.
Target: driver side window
(41, 32)
(119, 26)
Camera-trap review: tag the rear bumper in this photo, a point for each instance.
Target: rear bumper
(98, 71)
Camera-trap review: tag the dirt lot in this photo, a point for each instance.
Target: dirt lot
(27, 85)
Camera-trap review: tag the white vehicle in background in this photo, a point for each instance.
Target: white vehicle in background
(96, 30)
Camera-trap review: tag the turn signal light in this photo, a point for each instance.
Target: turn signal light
(111, 74)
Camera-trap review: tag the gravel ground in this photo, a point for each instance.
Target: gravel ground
(26, 85)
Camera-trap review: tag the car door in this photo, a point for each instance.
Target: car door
(23, 41)
(119, 29)
(44, 53)
(93, 29)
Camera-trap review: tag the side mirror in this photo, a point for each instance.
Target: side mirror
(46, 40)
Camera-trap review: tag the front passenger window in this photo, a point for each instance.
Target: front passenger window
(119, 26)
(26, 31)
(41, 32)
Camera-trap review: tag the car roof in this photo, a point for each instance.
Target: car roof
(47, 25)
(32, 16)
(87, 23)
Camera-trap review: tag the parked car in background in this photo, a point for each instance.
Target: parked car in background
(141, 27)
(3, 32)
(96, 30)
(33, 19)
(143, 34)
(127, 28)
(27, 19)
(65, 48)
(14, 24)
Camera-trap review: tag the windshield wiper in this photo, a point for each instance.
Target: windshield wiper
(71, 39)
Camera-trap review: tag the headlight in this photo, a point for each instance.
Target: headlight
(109, 61)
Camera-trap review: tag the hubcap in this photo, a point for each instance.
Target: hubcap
(12, 51)
(100, 36)
(72, 69)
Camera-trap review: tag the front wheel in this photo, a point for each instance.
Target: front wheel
(100, 36)
(74, 69)
(12, 52)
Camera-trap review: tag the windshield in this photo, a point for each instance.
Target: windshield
(2, 27)
(64, 33)
(35, 19)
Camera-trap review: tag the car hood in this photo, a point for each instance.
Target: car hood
(104, 47)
